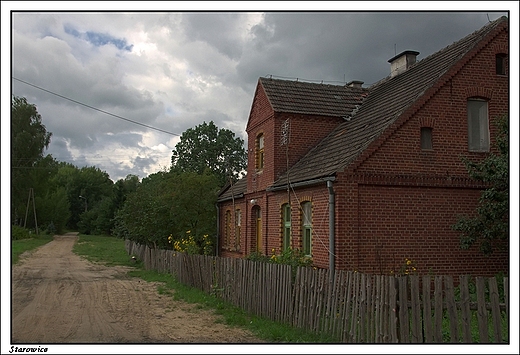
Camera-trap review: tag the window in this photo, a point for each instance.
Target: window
(478, 126)
(227, 232)
(426, 138)
(286, 225)
(306, 227)
(258, 225)
(501, 63)
(238, 222)
(260, 151)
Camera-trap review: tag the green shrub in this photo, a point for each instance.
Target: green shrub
(18, 233)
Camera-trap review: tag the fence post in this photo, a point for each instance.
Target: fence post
(482, 313)
(416, 309)
(404, 318)
(452, 309)
(427, 309)
(495, 309)
(465, 311)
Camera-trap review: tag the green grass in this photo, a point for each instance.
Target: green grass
(104, 249)
(111, 251)
(22, 245)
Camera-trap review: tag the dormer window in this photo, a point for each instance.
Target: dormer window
(260, 151)
(501, 64)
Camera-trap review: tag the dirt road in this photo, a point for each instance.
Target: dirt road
(59, 297)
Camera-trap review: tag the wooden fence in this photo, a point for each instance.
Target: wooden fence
(353, 307)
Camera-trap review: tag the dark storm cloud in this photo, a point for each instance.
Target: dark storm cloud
(346, 46)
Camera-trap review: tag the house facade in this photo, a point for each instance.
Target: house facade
(367, 178)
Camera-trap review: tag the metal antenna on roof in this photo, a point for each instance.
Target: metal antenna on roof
(488, 17)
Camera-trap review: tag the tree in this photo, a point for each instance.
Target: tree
(208, 147)
(167, 206)
(146, 215)
(490, 227)
(29, 138)
(194, 207)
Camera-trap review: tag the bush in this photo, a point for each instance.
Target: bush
(293, 257)
(18, 233)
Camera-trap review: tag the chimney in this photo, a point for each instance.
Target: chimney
(401, 62)
(355, 84)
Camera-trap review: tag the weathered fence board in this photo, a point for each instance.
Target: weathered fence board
(353, 307)
(465, 310)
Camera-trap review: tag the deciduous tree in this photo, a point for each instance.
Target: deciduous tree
(29, 139)
(208, 147)
(489, 229)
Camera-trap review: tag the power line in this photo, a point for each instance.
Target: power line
(97, 109)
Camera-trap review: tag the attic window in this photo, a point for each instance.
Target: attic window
(260, 151)
(478, 125)
(501, 63)
(426, 138)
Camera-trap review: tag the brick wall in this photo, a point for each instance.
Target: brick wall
(398, 222)
(402, 200)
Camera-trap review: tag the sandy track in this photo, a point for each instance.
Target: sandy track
(59, 297)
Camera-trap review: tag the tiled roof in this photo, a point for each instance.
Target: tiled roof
(385, 102)
(311, 98)
(236, 191)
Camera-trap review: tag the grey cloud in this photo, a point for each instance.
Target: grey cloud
(219, 30)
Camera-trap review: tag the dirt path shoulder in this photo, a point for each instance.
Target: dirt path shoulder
(59, 297)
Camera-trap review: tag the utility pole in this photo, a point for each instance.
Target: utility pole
(31, 194)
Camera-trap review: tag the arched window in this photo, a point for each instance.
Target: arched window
(238, 223)
(260, 151)
(286, 225)
(227, 232)
(306, 219)
(478, 125)
(257, 226)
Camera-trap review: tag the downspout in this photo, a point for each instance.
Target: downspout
(332, 213)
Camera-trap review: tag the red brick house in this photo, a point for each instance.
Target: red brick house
(363, 178)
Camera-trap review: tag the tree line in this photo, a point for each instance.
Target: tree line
(164, 207)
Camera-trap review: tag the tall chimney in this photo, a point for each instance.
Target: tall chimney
(402, 62)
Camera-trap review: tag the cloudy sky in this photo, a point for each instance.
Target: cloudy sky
(117, 89)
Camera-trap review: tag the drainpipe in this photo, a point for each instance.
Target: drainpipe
(332, 212)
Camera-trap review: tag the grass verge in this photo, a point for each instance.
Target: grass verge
(107, 250)
(18, 247)
(111, 251)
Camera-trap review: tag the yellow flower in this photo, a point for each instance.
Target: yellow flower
(408, 262)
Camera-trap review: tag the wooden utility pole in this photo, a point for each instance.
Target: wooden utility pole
(31, 194)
